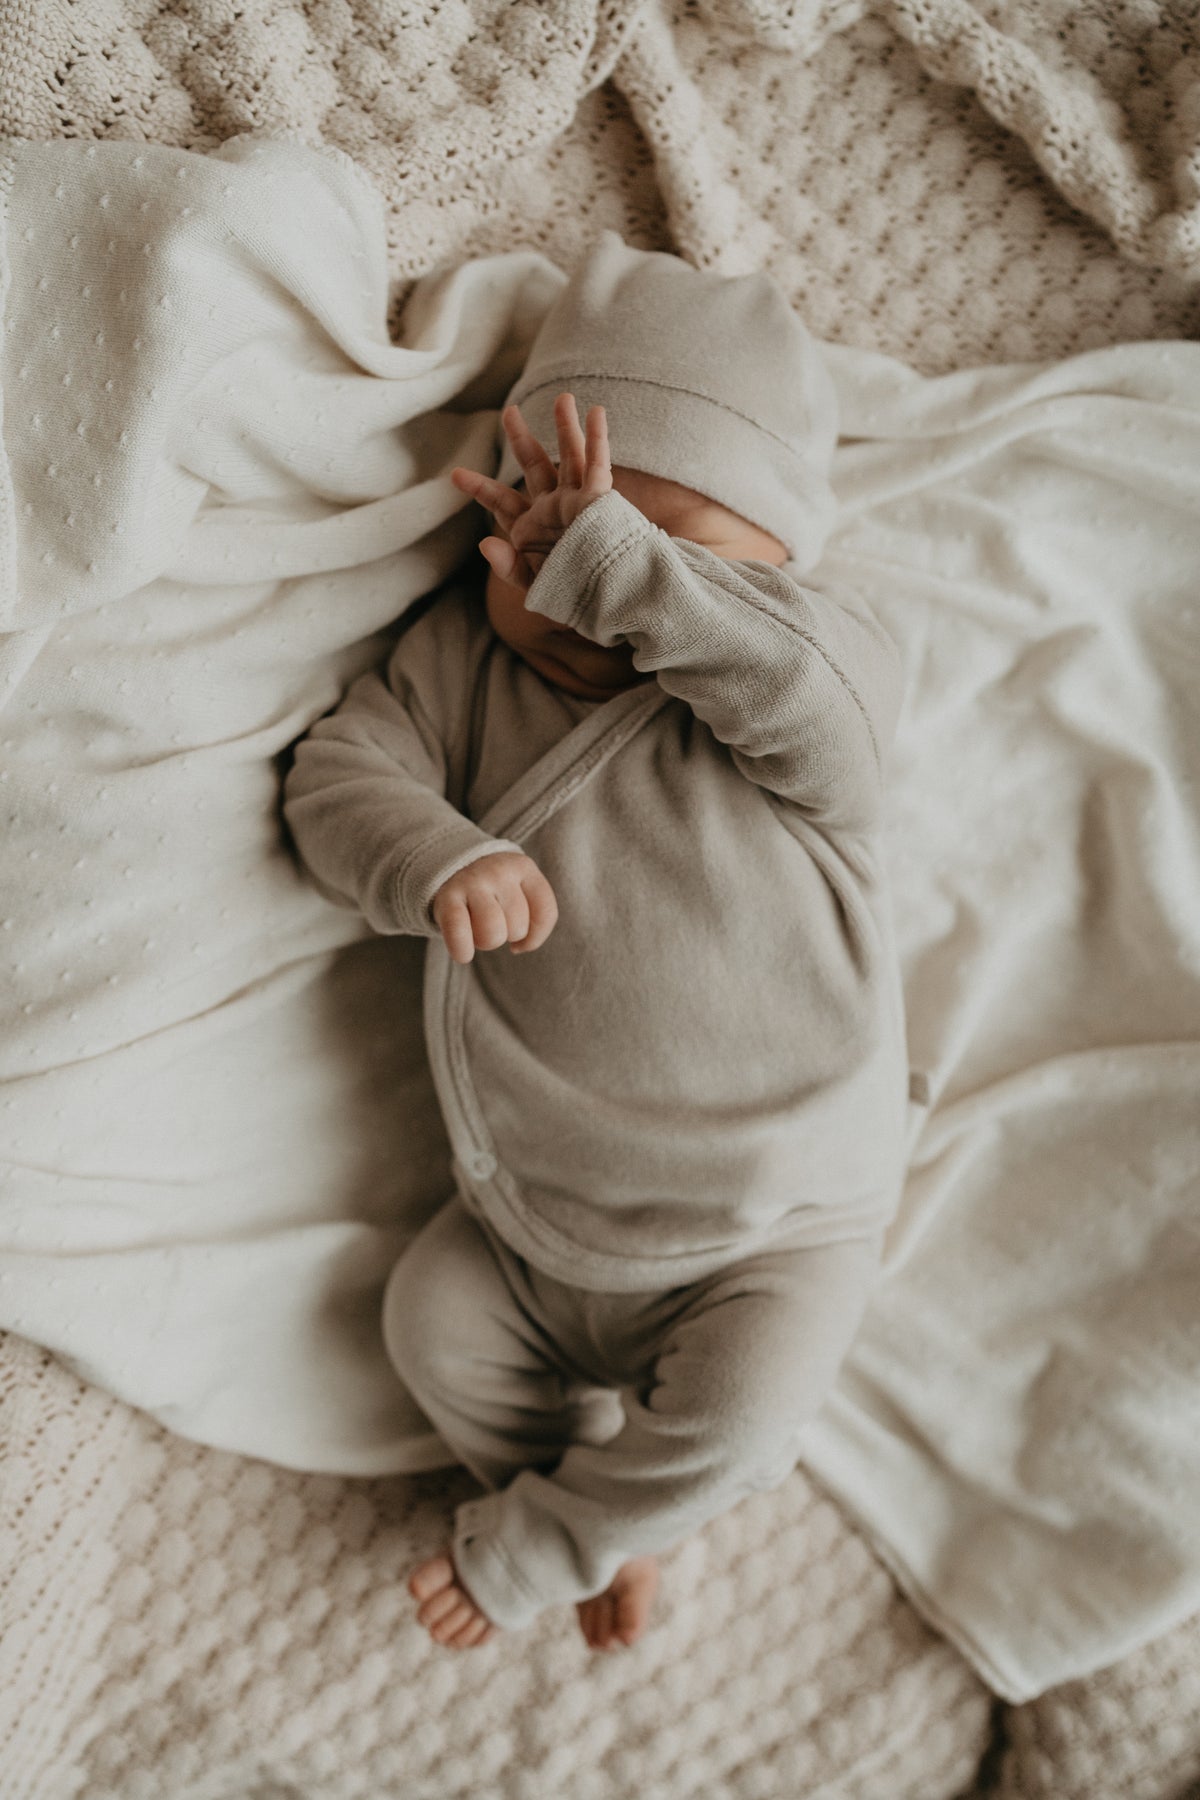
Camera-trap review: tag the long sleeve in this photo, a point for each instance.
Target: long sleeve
(802, 684)
(366, 797)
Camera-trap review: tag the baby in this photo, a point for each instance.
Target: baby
(654, 756)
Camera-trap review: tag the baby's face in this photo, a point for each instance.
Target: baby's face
(596, 671)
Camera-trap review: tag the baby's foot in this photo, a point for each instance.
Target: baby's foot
(447, 1611)
(620, 1614)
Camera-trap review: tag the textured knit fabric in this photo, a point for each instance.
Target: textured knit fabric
(707, 1055)
(859, 149)
(182, 1622)
(709, 380)
(712, 1382)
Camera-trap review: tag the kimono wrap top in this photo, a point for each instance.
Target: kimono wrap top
(707, 1055)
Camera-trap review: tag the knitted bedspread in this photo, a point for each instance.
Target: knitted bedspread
(946, 183)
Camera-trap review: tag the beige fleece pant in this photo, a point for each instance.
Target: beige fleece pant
(606, 1426)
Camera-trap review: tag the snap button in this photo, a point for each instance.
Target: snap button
(483, 1165)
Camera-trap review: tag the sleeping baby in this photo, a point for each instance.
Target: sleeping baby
(648, 759)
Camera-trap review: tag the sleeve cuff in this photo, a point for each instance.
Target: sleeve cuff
(433, 861)
(601, 533)
(485, 1570)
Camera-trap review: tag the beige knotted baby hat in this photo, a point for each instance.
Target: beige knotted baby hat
(706, 379)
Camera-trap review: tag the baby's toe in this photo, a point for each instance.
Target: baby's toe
(475, 1631)
(628, 1627)
(432, 1577)
(452, 1622)
(432, 1612)
(603, 1628)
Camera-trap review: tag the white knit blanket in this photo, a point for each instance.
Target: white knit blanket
(222, 482)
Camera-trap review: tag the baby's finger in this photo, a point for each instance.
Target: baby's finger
(571, 445)
(454, 922)
(499, 555)
(487, 920)
(541, 477)
(543, 910)
(504, 502)
(598, 471)
(509, 565)
(516, 911)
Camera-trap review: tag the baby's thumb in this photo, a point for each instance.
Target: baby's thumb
(500, 556)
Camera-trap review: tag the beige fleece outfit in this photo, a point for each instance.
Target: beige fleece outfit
(666, 1118)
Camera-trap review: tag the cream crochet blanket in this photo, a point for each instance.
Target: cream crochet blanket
(900, 217)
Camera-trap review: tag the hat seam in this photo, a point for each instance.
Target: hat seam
(668, 387)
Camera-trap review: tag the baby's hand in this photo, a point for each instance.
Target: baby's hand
(553, 498)
(500, 898)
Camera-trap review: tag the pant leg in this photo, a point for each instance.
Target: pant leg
(475, 1354)
(736, 1376)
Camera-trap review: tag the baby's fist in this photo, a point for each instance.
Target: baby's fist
(501, 898)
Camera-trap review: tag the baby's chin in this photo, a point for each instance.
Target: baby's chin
(563, 675)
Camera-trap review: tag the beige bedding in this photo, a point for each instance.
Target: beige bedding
(236, 1630)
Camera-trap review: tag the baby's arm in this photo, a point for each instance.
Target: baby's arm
(365, 802)
(803, 684)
